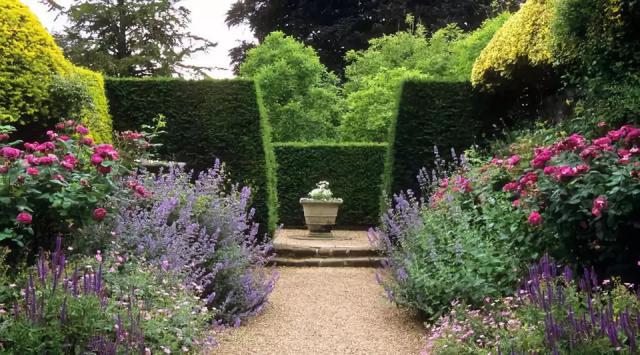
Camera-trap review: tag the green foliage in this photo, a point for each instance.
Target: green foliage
(443, 114)
(29, 60)
(353, 169)
(597, 39)
(174, 316)
(334, 28)
(125, 38)
(37, 82)
(521, 49)
(372, 107)
(375, 75)
(300, 96)
(205, 119)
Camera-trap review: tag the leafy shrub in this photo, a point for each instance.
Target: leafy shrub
(597, 39)
(552, 313)
(35, 76)
(218, 118)
(371, 109)
(55, 186)
(375, 75)
(520, 50)
(465, 242)
(202, 231)
(300, 96)
(106, 307)
(587, 192)
(354, 170)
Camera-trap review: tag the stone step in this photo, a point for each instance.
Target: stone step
(294, 247)
(359, 261)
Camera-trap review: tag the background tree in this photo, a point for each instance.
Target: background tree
(374, 76)
(130, 38)
(334, 27)
(301, 97)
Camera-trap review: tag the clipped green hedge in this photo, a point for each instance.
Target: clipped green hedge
(206, 119)
(354, 171)
(443, 114)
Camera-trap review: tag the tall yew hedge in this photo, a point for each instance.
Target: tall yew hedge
(206, 119)
(433, 113)
(354, 171)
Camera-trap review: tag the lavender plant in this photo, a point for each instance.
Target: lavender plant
(202, 230)
(110, 306)
(458, 245)
(58, 312)
(553, 313)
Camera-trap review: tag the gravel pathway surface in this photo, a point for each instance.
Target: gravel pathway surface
(326, 311)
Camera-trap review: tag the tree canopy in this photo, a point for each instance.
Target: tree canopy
(301, 97)
(130, 38)
(334, 27)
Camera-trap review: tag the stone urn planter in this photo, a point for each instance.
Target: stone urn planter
(320, 210)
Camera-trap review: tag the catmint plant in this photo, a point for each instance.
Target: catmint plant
(202, 229)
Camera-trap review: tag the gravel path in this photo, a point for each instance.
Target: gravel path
(326, 311)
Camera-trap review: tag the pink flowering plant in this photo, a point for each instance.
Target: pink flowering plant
(586, 192)
(55, 186)
(552, 313)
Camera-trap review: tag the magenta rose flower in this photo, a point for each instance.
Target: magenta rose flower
(33, 171)
(82, 130)
(535, 219)
(600, 203)
(99, 214)
(10, 153)
(24, 218)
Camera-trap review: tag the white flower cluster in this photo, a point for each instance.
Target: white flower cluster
(321, 192)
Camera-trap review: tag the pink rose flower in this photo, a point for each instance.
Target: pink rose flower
(99, 214)
(543, 155)
(86, 141)
(46, 147)
(82, 130)
(4, 169)
(24, 218)
(535, 219)
(69, 162)
(511, 186)
(4, 137)
(600, 203)
(59, 126)
(33, 171)
(602, 142)
(548, 170)
(10, 153)
(96, 159)
(104, 169)
(64, 138)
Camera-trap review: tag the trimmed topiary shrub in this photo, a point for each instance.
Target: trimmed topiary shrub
(521, 49)
(353, 169)
(443, 114)
(31, 65)
(206, 119)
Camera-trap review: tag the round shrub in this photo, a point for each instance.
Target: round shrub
(31, 68)
(521, 49)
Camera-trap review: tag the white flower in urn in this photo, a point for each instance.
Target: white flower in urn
(321, 192)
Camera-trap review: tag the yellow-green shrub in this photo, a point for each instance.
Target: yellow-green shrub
(524, 41)
(29, 62)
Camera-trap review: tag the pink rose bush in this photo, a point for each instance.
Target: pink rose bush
(54, 186)
(586, 192)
